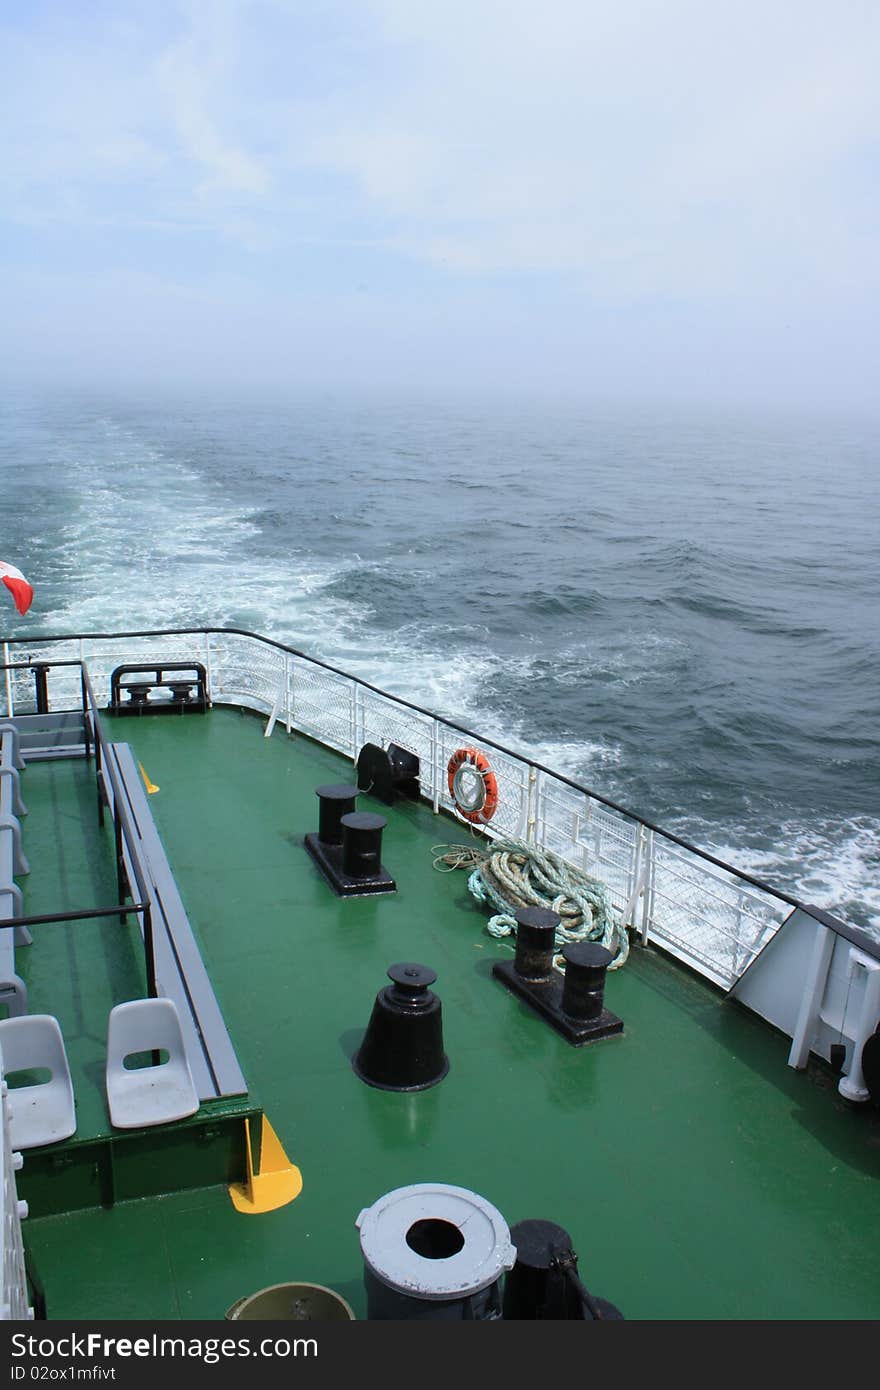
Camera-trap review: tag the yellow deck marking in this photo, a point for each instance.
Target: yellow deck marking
(150, 786)
(278, 1182)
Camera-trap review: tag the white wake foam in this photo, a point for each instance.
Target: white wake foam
(832, 864)
(165, 547)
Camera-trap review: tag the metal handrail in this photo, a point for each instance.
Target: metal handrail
(428, 714)
(843, 929)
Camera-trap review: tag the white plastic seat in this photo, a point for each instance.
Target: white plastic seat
(151, 1095)
(43, 1113)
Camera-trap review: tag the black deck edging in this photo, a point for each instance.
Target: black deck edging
(180, 971)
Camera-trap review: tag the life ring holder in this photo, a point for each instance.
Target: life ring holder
(476, 798)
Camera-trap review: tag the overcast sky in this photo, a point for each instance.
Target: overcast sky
(648, 197)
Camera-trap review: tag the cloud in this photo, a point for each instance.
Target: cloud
(194, 74)
(637, 146)
(612, 141)
(580, 182)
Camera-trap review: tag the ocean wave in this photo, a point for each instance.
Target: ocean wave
(831, 863)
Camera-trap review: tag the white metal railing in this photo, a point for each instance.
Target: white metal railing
(14, 1303)
(703, 912)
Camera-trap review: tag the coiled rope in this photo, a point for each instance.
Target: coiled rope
(513, 874)
(450, 857)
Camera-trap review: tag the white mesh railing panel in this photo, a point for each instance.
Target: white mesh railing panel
(710, 917)
(610, 840)
(63, 683)
(324, 706)
(244, 671)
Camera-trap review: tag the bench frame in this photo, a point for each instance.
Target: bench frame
(175, 968)
(173, 961)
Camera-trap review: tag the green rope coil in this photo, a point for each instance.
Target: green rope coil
(514, 874)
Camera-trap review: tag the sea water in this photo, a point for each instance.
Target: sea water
(678, 608)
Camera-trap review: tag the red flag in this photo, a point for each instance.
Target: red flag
(18, 586)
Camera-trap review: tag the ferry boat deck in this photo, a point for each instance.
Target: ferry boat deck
(699, 1175)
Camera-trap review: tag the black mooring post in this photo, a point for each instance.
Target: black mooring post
(362, 844)
(535, 942)
(583, 986)
(335, 800)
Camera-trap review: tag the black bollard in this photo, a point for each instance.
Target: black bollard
(544, 1284)
(335, 800)
(583, 989)
(402, 1049)
(572, 1006)
(348, 846)
(584, 986)
(362, 844)
(535, 942)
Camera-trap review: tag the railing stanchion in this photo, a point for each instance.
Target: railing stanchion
(362, 712)
(740, 949)
(435, 763)
(99, 780)
(531, 805)
(85, 713)
(209, 675)
(636, 887)
(121, 884)
(273, 717)
(354, 718)
(10, 708)
(584, 832)
(648, 864)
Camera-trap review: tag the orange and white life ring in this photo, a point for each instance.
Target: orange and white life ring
(472, 785)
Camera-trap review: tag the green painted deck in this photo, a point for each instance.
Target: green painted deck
(699, 1176)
